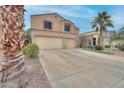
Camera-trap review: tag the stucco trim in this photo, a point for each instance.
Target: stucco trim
(52, 31)
(52, 36)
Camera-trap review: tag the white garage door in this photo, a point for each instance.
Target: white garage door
(48, 43)
(69, 43)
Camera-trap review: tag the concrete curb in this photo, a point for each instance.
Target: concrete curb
(44, 68)
(106, 55)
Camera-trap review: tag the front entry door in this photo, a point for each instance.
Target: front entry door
(94, 41)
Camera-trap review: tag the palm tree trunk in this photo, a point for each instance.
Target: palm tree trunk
(13, 66)
(101, 36)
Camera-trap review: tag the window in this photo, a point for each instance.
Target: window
(67, 27)
(89, 42)
(48, 24)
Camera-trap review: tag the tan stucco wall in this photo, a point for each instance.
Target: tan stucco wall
(57, 22)
(65, 36)
(57, 31)
(88, 36)
(117, 42)
(37, 22)
(106, 41)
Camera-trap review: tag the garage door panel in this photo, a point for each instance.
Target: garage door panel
(49, 43)
(69, 43)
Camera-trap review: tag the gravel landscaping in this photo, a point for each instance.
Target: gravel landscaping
(37, 77)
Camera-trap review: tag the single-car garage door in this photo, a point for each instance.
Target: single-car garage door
(49, 42)
(69, 43)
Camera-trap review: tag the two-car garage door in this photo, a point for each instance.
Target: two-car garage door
(48, 43)
(54, 43)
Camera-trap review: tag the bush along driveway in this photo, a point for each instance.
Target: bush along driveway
(37, 76)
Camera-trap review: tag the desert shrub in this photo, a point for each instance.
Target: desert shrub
(121, 47)
(107, 46)
(98, 47)
(31, 50)
(91, 47)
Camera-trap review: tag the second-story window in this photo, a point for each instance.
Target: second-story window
(48, 24)
(67, 27)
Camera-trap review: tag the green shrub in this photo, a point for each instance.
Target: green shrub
(31, 50)
(121, 47)
(98, 47)
(107, 46)
(91, 47)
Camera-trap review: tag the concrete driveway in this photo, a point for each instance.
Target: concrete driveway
(81, 68)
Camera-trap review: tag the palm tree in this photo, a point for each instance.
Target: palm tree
(13, 66)
(100, 23)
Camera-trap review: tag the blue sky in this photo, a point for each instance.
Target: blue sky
(81, 15)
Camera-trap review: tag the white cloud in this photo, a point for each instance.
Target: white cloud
(117, 15)
(118, 18)
(71, 11)
(84, 14)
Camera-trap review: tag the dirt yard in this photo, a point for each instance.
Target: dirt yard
(37, 77)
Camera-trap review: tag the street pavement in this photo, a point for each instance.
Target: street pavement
(68, 68)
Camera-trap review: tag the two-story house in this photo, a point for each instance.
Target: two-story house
(51, 31)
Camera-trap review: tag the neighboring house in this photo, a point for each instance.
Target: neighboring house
(108, 36)
(89, 39)
(51, 31)
(118, 40)
(92, 38)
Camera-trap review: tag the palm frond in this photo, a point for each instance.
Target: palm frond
(102, 20)
(97, 29)
(94, 26)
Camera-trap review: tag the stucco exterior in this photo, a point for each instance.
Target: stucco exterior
(117, 42)
(108, 36)
(86, 39)
(88, 36)
(49, 38)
